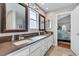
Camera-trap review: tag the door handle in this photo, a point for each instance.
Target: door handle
(78, 34)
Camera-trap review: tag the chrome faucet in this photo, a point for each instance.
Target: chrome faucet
(21, 37)
(13, 38)
(41, 32)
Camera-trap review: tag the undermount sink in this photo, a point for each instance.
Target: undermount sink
(29, 40)
(22, 42)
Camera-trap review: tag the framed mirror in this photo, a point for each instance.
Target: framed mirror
(2, 17)
(41, 22)
(15, 17)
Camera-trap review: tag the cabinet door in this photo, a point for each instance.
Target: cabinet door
(37, 52)
(46, 44)
(43, 47)
(49, 43)
(21, 52)
(51, 40)
(35, 46)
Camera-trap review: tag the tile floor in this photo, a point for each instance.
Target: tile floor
(59, 51)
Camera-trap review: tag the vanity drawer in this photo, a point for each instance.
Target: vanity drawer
(35, 46)
(37, 52)
(21, 52)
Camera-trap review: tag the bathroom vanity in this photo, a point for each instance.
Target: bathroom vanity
(38, 46)
(14, 23)
(33, 46)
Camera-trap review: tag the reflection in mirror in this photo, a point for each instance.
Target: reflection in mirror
(0, 24)
(15, 16)
(0, 17)
(49, 24)
(42, 22)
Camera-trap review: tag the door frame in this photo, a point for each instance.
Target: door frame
(68, 12)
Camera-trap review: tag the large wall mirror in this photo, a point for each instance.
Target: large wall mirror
(41, 22)
(0, 24)
(15, 17)
(2, 17)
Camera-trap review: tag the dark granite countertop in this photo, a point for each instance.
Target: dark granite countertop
(9, 47)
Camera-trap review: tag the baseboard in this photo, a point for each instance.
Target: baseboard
(74, 52)
(64, 40)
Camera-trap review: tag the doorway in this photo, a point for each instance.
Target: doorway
(64, 30)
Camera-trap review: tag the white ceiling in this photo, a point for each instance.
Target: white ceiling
(62, 16)
(48, 7)
(65, 20)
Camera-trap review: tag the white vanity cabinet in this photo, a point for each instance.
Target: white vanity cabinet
(50, 41)
(35, 49)
(37, 52)
(44, 46)
(38, 48)
(21, 52)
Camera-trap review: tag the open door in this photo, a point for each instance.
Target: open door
(64, 30)
(75, 30)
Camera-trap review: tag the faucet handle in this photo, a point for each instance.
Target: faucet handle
(21, 37)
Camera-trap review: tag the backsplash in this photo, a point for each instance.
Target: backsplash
(25, 35)
(5, 39)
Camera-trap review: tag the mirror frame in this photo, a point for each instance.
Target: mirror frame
(3, 19)
(2, 16)
(40, 23)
